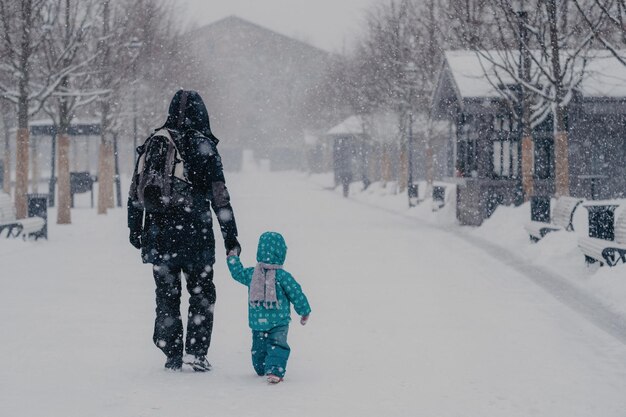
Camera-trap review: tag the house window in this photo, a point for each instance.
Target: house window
(467, 147)
(505, 147)
(506, 158)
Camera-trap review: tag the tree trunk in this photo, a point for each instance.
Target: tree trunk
(561, 147)
(105, 177)
(528, 153)
(34, 160)
(386, 165)
(21, 174)
(64, 214)
(403, 174)
(21, 165)
(373, 164)
(6, 186)
(527, 166)
(562, 163)
(109, 197)
(430, 171)
(102, 209)
(105, 153)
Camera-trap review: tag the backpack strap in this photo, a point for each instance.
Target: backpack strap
(179, 163)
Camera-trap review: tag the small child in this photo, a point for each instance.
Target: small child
(271, 290)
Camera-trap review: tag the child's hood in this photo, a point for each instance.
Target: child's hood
(272, 249)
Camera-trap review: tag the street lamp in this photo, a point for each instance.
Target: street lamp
(412, 191)
(134, 45)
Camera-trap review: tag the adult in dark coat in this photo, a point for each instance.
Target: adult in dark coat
(181, 241)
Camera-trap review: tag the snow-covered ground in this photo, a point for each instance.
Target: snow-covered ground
(409, 319)
(557, 253)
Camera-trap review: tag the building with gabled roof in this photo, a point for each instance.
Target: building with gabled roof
(255, 83)
(486, 137)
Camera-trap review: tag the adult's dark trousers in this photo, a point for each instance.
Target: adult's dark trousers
(168, 326)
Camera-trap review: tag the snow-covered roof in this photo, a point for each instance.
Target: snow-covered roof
(353, 125)
(604, 75)
(381, 127)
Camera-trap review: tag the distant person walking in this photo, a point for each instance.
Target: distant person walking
(178, 179)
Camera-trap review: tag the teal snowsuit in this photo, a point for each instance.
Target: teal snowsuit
(270, 350)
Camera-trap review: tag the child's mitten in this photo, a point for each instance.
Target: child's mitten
(304, 319)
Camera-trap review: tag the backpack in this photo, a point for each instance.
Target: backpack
(160, 183)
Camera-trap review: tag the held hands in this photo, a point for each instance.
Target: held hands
(135, 239)
(304, 320)
(233, 248)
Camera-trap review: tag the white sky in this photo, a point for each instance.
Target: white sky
(328, 24)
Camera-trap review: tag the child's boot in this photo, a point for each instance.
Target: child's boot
(273, 379)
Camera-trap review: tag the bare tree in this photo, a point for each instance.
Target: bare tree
(465, 23)
(27, 33)
(114, 71)
(70, 44)
(393, 70)
(132, 32)
(548, 70)
(397, 63)
(21, 41)
(606, 19)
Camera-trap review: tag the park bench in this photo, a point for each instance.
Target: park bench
(563, 215)
(606, 242)
(31, 226)
(81, 182)
(439, 197)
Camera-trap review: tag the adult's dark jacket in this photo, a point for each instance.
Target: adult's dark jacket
(185, 235)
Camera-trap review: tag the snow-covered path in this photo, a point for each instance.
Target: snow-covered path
(407, 321)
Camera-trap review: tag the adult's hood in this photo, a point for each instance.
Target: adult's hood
(187, 111)
(272, 249)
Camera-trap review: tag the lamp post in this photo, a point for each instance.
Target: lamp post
(412, 191)
(118, 181)
(53, 179)
(524, 74)
(134, 45)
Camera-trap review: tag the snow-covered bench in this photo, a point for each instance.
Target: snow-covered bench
(606, 242)
(439, 197)
(11, 227)
(562, 218)
(81, 182)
